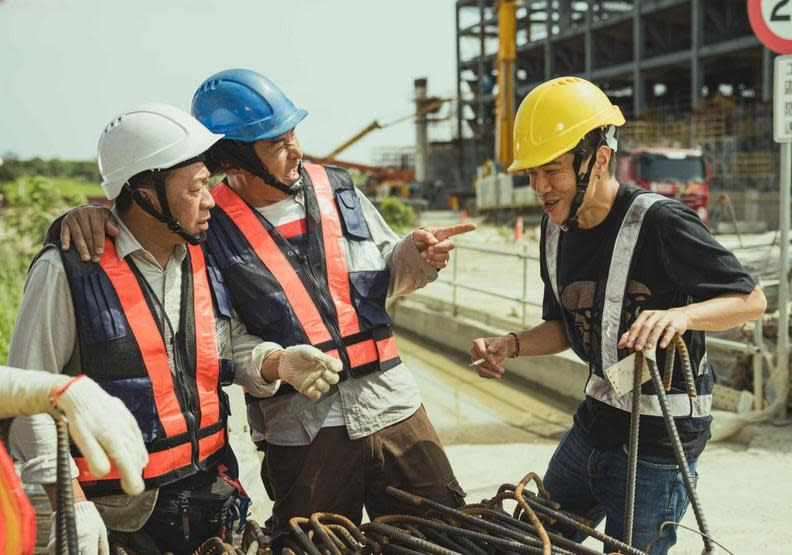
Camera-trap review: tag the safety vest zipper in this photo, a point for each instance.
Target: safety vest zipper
(325, 310)
(177, 342)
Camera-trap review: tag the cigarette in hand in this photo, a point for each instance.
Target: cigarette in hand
(477, 362)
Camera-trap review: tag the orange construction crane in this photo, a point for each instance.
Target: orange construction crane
(432, 105)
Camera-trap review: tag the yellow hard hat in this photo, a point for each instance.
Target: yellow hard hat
(555, 116)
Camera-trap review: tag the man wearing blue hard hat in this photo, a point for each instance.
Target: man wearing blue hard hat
(309, 263)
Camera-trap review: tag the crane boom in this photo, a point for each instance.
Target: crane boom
(371, 127)
(432, 105)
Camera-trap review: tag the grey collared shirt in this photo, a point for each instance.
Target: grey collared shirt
(45, 338)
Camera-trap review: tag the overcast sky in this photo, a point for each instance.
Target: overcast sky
(69, 66)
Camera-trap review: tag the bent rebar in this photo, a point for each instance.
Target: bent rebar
(540, 530)
(403, 537)
(523, 543)
(254, 537)
(296, 526)
(676, 443)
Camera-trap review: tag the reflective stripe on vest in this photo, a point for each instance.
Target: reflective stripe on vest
(338, 274)
(155, 358)
(300, 301)
(17, 517)
(269, 253)
(207, 362)
(623, 250)
(172, 458)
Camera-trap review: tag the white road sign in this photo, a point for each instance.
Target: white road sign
(782, 99)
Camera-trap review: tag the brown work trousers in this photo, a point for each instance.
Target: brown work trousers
(338, 475)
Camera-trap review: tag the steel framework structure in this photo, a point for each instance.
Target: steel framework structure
(648, 55)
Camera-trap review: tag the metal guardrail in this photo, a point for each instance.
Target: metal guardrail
(522, 299)
(754, 348)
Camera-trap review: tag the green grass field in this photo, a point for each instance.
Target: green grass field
(31, 204)
(67, 187)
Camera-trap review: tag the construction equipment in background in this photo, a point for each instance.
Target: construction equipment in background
(497, 191)
(679, 173)
(382, 181)
(379, 181)
(430, 105)
(355, 138)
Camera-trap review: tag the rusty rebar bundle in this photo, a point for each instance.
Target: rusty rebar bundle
(533, 526)
(254, 540)
(478, 529)
(215, 546)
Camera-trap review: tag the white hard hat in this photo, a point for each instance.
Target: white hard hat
(150, 137)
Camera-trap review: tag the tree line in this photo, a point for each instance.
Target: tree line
(83, 170)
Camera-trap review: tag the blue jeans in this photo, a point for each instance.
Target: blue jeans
(592, 483)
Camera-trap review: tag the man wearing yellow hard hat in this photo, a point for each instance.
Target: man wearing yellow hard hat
(624, 270)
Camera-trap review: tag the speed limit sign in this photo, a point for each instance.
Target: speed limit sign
(771, 20)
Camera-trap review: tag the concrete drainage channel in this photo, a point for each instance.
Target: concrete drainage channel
(563, 373)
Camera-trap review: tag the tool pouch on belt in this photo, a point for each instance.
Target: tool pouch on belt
(190, 516)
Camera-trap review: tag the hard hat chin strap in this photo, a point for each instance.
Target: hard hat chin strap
(242, 155)
(607, 138)
(165, 216)
(571, 223)
(262, 172)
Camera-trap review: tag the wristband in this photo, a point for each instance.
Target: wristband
(55, 395)
(516, 345)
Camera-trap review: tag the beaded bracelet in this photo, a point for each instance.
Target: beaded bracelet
(516, 344)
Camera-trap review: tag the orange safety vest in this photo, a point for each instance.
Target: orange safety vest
(361, 347)
(17, 518)
(185, 443)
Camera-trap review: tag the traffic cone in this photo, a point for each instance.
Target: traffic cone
(518, 229)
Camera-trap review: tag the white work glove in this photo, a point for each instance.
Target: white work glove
(308, 370)
(91, 531)
(99, 423)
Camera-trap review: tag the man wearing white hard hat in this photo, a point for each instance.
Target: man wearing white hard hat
(151, 322)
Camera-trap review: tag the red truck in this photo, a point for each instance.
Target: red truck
(679, 173)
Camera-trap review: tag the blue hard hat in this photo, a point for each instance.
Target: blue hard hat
(245, 106)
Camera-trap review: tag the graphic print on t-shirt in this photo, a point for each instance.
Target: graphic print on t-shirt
(676, 262)
(580, 298)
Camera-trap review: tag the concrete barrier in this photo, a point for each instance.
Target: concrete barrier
(563, 373)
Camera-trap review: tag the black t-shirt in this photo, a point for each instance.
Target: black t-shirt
(676, 262)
